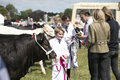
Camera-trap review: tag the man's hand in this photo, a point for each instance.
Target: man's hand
(82, 37)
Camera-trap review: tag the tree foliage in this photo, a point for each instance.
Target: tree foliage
(52, 14)
(60, 14)
(36, 15)
(68, 11)
(24, 14)
(13, 11)
(3, 11)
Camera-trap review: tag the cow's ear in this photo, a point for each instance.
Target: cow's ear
(41, 39)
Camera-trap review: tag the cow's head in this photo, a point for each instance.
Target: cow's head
(43, 43)
(49, 32)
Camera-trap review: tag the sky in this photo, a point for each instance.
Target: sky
(49, 5)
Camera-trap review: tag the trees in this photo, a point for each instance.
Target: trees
(36, 15)
(24, 14)
(3, 11)
(52, 14)
(12, 10)
(60, 14)
(68, 11)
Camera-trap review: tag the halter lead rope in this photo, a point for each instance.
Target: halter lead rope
(47, 52)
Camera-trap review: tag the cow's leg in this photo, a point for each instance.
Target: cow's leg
(44, 64)
(42, 67)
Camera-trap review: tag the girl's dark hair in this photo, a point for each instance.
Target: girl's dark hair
(65, 16)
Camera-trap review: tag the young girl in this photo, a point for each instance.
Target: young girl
(60, 47)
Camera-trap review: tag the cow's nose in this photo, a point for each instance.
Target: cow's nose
(52, 55)
(55, 55)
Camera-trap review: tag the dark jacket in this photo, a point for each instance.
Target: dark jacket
(114, 30)
(7, 22)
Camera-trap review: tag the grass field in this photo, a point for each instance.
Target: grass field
(82, 72)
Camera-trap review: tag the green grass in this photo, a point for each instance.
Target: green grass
(82, 72)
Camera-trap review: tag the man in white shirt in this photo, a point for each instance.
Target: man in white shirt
(68, 36)
(86, 18)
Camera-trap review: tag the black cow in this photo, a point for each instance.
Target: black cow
(19, 52)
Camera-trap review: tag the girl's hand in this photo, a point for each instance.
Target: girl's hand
(66, 56)
(82, 37)
(55, 60)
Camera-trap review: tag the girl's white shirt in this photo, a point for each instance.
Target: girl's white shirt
(59, 48)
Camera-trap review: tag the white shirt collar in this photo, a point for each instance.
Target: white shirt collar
(90, 20)
(57, 39)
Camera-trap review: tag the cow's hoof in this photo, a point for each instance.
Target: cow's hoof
(43, 73)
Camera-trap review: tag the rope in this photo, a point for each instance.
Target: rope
(64, 65)
(47, 52)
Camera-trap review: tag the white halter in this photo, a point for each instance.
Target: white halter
(47, 52)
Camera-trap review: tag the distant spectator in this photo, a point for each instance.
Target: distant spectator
(78, 22)
(41, 22)
(3, 71)
(22, 23)
(56, 21)
(30, 22)
(7, 21)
